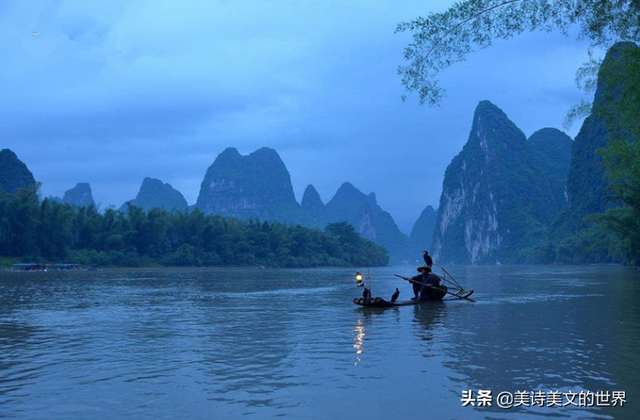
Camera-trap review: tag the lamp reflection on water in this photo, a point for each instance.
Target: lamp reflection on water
(359, 341)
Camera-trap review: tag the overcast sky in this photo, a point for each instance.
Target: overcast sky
(112, 92)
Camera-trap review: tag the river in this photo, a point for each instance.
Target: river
(267, 343)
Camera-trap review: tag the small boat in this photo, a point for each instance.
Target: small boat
(436, 292)
(437, 296)
(379, 302)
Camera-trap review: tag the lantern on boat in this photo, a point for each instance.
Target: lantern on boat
(358, 278)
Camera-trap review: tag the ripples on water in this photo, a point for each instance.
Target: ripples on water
(267, 343)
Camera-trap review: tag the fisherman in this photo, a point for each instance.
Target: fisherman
(366, 293)
(427, 259)
(419, 281)
(432, 281)
(427, 285)
(424, 283)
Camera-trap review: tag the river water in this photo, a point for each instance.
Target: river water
(266, 343)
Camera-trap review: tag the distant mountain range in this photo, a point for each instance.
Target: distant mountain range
(363, 212)
(156, 194)
(503, 195)
(258, 186)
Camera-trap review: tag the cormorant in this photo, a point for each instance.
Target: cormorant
(427, 259)
(394, 297)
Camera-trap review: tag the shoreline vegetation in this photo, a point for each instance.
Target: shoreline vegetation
(6, 265)
(49, 232)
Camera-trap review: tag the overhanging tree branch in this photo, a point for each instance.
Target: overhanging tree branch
(441, 39)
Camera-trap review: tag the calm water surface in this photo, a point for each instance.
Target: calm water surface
(252, 343)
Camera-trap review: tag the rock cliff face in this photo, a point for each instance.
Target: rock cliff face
(586, 181)
(14, 174)
(552, 149)
(79, 196)
(156, 194)
(422, 232)
(254, 186)
(363, 212)
(494, 201)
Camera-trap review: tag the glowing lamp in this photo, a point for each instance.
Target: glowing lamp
(358, 278)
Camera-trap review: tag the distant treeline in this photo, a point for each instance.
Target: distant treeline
(36, 231)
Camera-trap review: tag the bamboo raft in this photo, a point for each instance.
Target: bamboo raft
(438, 293)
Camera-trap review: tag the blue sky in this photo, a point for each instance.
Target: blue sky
(112, 92)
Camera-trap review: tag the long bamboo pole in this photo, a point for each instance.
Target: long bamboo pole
(433, 287)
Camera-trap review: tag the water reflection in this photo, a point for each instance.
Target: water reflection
(268, 343)
(359, 341)
(545, 333)
(429, 318)
(16, 355)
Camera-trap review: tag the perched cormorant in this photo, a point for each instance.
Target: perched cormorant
(427, 259)
(394, 297)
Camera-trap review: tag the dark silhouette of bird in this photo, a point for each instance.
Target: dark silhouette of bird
(427, 259)
(394, 296)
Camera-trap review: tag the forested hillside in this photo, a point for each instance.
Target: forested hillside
(51, 231)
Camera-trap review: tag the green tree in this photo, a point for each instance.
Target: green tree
(51, 231)
(621, 157)
(622, 160)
